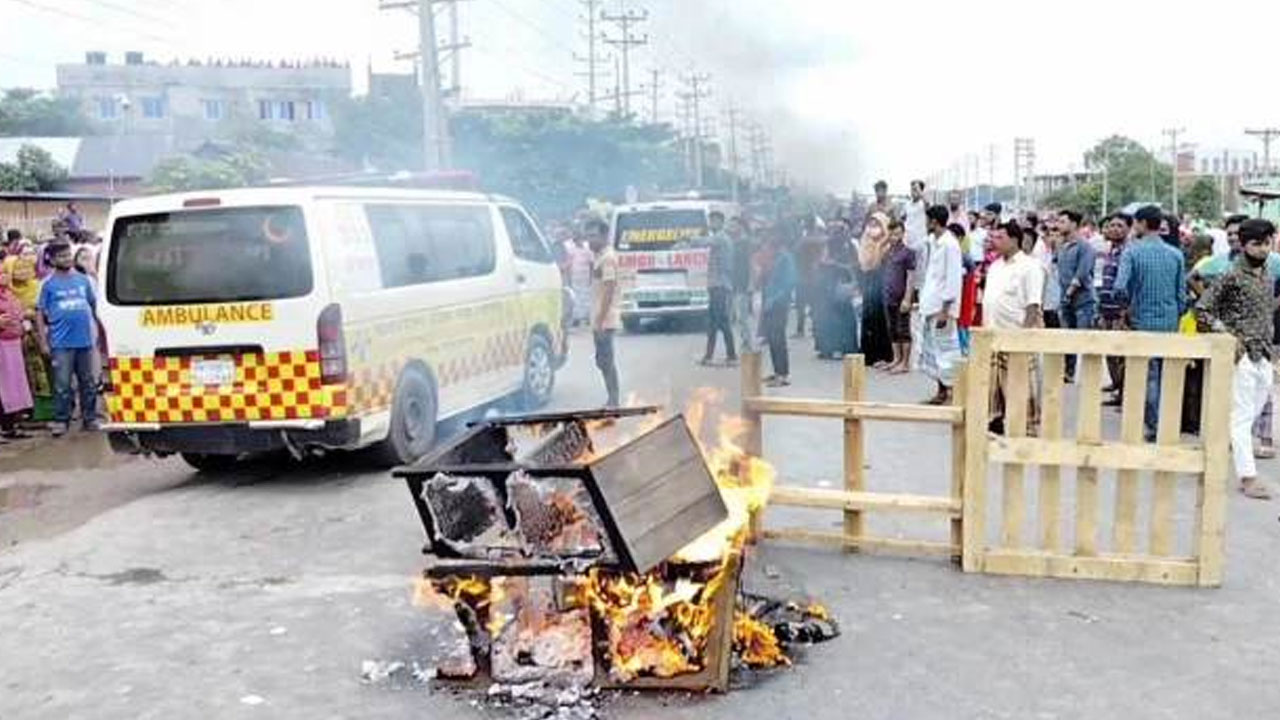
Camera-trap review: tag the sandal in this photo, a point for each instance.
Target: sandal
(1255, 489)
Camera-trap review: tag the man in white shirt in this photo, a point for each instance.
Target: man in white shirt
(1013, 297)
(917, 240)
(940, 355)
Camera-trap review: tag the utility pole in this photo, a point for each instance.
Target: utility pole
(696, 92)
(1024, 167)
(1267, 135)
(1172, 134)
(991, 174)
(733, 150)
(454, 47)
(626, 40)
(593, 59)
(653, 87)
(436, 148)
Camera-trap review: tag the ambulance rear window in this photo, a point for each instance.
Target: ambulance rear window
(208, 256)
(659, 229)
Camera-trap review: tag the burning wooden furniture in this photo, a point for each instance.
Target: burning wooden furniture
(569, 565)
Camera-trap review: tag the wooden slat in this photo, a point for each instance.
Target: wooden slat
(978, 409)
(752, 441)
(1215, 430)
(959, 394)
(1088, 432)
(1107, 567)
(855, 379)
(1071, 342)
(1051, 475)
(1168, 434)
(888, 412)
(1016, 392)
(1135, 394)
(1096, 456)
(918, 547)
(792, 496)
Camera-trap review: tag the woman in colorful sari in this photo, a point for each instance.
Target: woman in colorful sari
(15, 393)
(26, 287)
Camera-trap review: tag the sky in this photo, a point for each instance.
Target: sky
(851, 92)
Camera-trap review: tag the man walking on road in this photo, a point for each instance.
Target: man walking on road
(719, 291)
(606, 312)
(742, 273)
(778, 289)
(1076, 260)
(65, 318)
(1014, 293)
(940, 355)
(1152, 283)
(1241, 303)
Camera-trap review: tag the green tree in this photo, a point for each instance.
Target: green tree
(1085, 199)
(384, 132)
(32, 113)
(33, 170)
(187, 172)
(553, 162)
(1133, 173)
(1202, 200)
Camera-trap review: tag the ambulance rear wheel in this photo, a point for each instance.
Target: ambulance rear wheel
(211, 463)
(413, 420)
(539, 374)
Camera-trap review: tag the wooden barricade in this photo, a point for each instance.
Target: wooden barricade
(1093, 552)
(856, 500)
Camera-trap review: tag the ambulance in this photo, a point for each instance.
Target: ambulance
(662, 258)
(305, 318)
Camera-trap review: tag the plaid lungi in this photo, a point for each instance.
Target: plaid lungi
(940, 355)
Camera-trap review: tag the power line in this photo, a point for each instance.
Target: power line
(96, 22)
(546, 34)
(506, 61)
(130, 11)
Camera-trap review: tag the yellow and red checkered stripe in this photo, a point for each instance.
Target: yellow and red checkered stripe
(374, 386)
(270, 386)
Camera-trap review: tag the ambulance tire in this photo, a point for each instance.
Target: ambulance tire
(414, 414)
(211, 463)
(539, 374)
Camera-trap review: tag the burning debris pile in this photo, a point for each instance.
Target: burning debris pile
(570, 568)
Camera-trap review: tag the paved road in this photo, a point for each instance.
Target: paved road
(138, 588)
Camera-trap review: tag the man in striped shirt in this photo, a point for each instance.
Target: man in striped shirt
(1152, 283)
(1116, 231)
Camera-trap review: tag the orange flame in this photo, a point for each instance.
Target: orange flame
(756, 643)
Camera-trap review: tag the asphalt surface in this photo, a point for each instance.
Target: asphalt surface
(137, 588)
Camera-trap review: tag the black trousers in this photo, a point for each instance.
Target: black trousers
(720, 320)
(775, 333)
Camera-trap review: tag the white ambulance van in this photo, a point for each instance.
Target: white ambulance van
(251, 320)
(662, 258)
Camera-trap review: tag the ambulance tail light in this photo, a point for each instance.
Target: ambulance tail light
(333, 346)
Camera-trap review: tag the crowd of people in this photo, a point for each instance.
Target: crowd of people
(51, 342)
(905, 288)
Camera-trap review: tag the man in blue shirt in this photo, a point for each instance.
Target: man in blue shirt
(1076, 259)
(65, 320)
(1152, 283)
